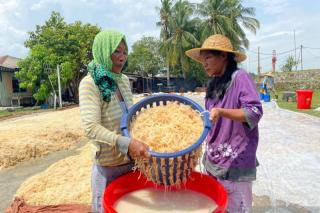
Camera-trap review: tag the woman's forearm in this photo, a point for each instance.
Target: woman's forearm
(233, 114)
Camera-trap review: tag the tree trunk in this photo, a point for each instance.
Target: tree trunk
(168, 75)
(74, 88)
(75, 91)
(76, 94)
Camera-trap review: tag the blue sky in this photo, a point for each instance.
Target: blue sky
(136, 18)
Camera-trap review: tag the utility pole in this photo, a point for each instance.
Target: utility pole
(274, 59)
(59, 86)
(295, 49)
(259, 68)
(54, 95)
(301, 57)
(48, 69)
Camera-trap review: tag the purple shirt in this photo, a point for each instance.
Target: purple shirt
(233, 144)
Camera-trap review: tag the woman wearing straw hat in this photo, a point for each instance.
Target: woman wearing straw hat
(235, 110)
(104, 94)
(268, 83)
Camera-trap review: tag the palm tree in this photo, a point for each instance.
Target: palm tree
(165, 15)
(181, 28)
(228, 17)
(244, 16)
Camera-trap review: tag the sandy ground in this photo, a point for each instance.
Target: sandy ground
(288, 154)
(12, 178)
(66, 181)
(36, 135)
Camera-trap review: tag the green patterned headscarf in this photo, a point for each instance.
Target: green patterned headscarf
(104, 44)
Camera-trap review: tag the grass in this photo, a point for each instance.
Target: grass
(293, 105)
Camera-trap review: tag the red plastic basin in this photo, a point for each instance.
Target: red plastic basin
(197, 182)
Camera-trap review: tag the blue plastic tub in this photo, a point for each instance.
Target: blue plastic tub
(266, 97)
(261, 96)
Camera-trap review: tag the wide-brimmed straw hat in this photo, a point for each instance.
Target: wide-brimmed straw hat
(216, 42)
(269, 74)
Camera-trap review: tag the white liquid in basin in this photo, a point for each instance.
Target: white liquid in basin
(155, 201)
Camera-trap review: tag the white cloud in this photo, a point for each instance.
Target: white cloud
(277, 33)
(11, 35)
(5, 8)
(17, 47)
(274, 6)
(137, 36)
(16, 32)
(121, 1)
(137, 18)
(264, 36)
(39, 5)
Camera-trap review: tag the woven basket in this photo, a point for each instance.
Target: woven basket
(168, 168)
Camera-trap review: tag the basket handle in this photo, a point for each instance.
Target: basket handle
(123, 124)
(207, 122)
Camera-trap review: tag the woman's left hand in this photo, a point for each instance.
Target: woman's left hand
(215, 114)
(138, 149)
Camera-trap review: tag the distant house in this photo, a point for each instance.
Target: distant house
(10, 92)
(148, 84)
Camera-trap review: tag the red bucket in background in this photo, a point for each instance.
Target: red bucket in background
(133, 181)
(304, 99)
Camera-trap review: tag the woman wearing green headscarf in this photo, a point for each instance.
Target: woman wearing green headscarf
(104, 94)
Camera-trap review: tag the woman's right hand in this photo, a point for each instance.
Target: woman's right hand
(215, 114)
(138, 149)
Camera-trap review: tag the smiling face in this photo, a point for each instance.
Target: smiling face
(214, 62)
(119, 57)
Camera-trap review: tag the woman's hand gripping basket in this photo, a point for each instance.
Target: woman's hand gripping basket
(168, 168)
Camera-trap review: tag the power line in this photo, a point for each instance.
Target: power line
(262, 59)
(278, 53)
(258, 53)
(316, 56)
(315, 48)
(286, 51)
(282, 56)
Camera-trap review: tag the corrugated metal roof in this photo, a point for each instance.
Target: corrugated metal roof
(8, 61)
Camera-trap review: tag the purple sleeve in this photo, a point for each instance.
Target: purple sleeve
(248, 99)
